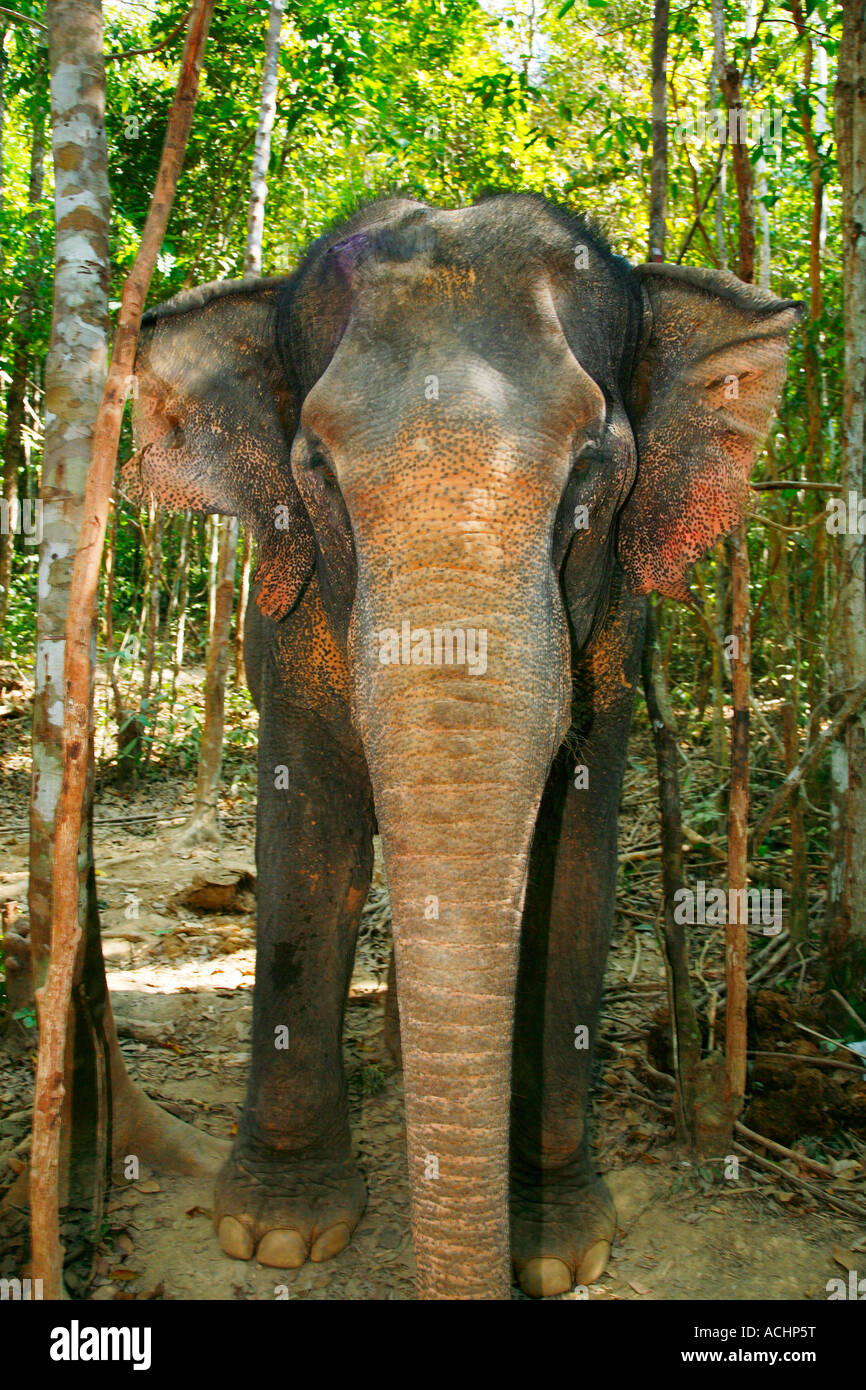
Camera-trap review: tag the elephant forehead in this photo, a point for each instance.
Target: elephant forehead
(492, 372)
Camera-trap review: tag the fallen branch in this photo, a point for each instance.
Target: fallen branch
(823, 1168)
(143, 1030)
(849, 1208)
(810, 1059)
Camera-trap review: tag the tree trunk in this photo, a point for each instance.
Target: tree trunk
(79, 418)
(243, 600)
(720, 743)
(737, 124)
(812, 363)
(127, 724)
(659, 178)
(74, 377)
(3, 62)
(685, 1033)
(698, 1091)
(846, 898)
(182, 600)
(262, 151)
(147, 706)
(716, 75)
(799, 914)
(760, 170)
(736, 936)
(213, 532)
(203, 825)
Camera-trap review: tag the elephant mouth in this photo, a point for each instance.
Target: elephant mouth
(134, 475)
(132, 484)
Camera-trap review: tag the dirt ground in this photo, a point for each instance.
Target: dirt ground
(181, 980)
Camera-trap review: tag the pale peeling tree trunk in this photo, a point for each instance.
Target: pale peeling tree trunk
(79, 414)
(262, 150)
(74, 376)
(203, 825)
(846, 899)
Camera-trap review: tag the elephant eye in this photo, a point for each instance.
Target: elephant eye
(587, 456)
(320, 465)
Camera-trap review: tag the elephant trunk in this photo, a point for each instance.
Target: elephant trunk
(458, 763)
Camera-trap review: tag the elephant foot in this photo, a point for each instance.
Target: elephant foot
(286, 1209)
(562, 1227)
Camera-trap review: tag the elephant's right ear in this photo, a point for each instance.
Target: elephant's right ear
(709, 376)
(213, 418)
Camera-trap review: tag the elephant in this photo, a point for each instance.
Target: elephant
(469, 443)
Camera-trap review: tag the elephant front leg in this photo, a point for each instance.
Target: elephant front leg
(562, 1216)
(290, 1190)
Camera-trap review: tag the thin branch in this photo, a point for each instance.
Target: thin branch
(141, 52)
(788, 530)
(703, 207)
(24, 19)
(796, 775)
(797, 483)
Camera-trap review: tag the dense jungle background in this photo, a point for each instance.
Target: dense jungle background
(710, 134)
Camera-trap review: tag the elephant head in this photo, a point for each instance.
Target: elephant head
(464, 422)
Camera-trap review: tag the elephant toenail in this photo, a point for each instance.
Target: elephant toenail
(330, 1243)
(594, 1262)
(282, 1249)
(235, 1238)
(544, 1276)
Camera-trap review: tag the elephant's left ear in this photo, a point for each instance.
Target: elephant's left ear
(214, 422)
(706, 383)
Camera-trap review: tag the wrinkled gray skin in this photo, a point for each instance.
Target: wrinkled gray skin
(477, 420)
